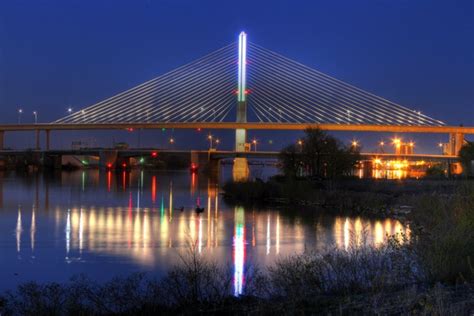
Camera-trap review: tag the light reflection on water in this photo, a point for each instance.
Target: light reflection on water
(104, 224)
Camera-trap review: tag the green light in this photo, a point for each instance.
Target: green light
(142, 160)
(163, 129)
(84, 162)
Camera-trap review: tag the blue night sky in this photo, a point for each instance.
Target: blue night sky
(55, 54)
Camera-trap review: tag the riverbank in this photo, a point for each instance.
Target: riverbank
(350, 196)
(386, 281)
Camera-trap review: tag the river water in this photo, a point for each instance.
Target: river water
(105, 224)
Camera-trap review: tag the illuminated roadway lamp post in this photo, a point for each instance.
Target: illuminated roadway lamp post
(254, 142)
(210, 141)
(440, 145)
(35, 114)
(20, 112)
(241, 134)
(300, 144)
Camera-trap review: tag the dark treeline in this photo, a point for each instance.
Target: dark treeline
(318, 155)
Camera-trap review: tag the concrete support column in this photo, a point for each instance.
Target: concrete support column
(48, 132)
(456, 141)
(37, 135)
(2, 140)
(241, 134)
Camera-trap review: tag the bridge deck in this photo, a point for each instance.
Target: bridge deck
(248, 126)
(213, 154)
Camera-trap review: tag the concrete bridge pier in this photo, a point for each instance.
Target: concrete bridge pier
(201, 160)
(108, 159)
(37, 137)
(52, 161)
(2, 140)
(48, 137)
(456, 141)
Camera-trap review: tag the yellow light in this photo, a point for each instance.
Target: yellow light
(411, 144)
(382, 143)
(355, 143)
(377, 161)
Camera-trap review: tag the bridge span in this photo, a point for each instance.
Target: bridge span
(456, 133)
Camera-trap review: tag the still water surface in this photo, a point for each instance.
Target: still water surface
(106, 224)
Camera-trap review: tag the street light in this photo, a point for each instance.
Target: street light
(440, 145)
(210, 140)
(300, 143)
(20, 112)
(217, 142)
(35, 114)
(69, 110)
(254, 142)
(355, 143)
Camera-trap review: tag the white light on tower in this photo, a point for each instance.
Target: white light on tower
(242, 66)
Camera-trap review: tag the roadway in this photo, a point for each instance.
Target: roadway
(233, 126)
(221, 154)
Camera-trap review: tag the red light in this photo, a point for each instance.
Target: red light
(154, 154)
(109, 165)
(124, 165)
(198, 129)
(130, 129)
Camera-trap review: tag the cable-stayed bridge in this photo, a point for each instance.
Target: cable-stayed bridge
(244, 86)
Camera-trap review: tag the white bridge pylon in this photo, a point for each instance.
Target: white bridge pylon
(244, 82)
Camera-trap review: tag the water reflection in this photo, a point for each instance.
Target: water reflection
(239, 250)
(114, 221)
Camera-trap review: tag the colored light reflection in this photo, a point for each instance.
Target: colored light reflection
(109, 181)
(239, 250)
(18, 231)
(153, 189)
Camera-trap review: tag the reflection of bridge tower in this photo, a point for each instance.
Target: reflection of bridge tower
(241, 134)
